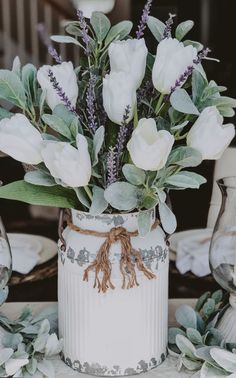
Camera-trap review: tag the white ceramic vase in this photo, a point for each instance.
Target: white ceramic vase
(120, 332)
(90, 6)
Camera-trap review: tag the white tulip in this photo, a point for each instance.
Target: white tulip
(149, 149)
(65, 76)
(119, 92)
(209, 136)
(130, 57)
(70, 165)
(21, 140)
(172, 60)
(90, 6)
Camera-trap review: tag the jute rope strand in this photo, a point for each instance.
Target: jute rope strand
(129, 261)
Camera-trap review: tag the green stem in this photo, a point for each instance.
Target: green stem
(159, 104)
(89, 193)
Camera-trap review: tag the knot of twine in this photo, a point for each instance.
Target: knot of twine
(130, 258)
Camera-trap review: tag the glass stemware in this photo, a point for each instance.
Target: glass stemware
(5, 263)
(223, 253)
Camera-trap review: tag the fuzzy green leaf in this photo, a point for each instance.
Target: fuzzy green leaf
(185, 157)
(119, 31)
(186, 179)
(99, 204)
(134, 175)
(181, 101)
(57, 124)
(183, 29)
(101, 25)
(122, 196)
(12, 89)
(157, 27)
(56, 196)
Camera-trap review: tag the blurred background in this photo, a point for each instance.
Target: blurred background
(214, 27)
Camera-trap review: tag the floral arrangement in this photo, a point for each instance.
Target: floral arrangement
(29, 343)
(198, 344)
(120, 131)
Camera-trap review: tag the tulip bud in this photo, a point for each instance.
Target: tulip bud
(119, 92)
(70, 165)
(67, 80)
(149, 149)
(130, 57)
(21, 140)
(173, 59)
(209, 136)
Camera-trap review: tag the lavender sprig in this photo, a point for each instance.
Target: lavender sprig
(90, 100)
(61, 93)
(112, 173)
(47, 42)
(84, 30)
(122, 136)
(168, 28)
(179, 82)
(144, 19)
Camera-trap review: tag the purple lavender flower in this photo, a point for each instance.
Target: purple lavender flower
(90, 100)
(115, 153)
(47, 42)
(84, 30)
(168, 28)
(112, 173)
(181, 80)
(61, 93)
(122, 136)
(144, 19)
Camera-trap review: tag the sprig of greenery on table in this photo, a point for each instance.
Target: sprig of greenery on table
(198, 343)
(29, 343)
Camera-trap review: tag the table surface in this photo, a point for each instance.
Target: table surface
(166, 370)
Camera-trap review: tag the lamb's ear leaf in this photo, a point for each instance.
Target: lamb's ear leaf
(55, 196)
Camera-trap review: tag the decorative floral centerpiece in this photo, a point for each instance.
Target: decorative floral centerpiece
(110, 139)
(120, 131)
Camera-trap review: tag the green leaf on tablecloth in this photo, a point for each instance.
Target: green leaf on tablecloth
(194, 336)
(173, 332)
(186, 317)
(56, 196)
(185, 346)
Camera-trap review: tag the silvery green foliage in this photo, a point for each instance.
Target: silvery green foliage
(198, 344)
(29, 343)
(134, 189)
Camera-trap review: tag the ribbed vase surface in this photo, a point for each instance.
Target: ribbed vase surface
(120, 332)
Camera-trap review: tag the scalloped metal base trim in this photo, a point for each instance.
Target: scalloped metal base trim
(102, 371)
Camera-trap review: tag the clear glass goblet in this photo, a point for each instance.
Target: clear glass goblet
(5, 263)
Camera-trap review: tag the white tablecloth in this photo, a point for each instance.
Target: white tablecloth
(166, 370)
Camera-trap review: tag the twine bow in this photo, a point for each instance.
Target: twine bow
(129, 261)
